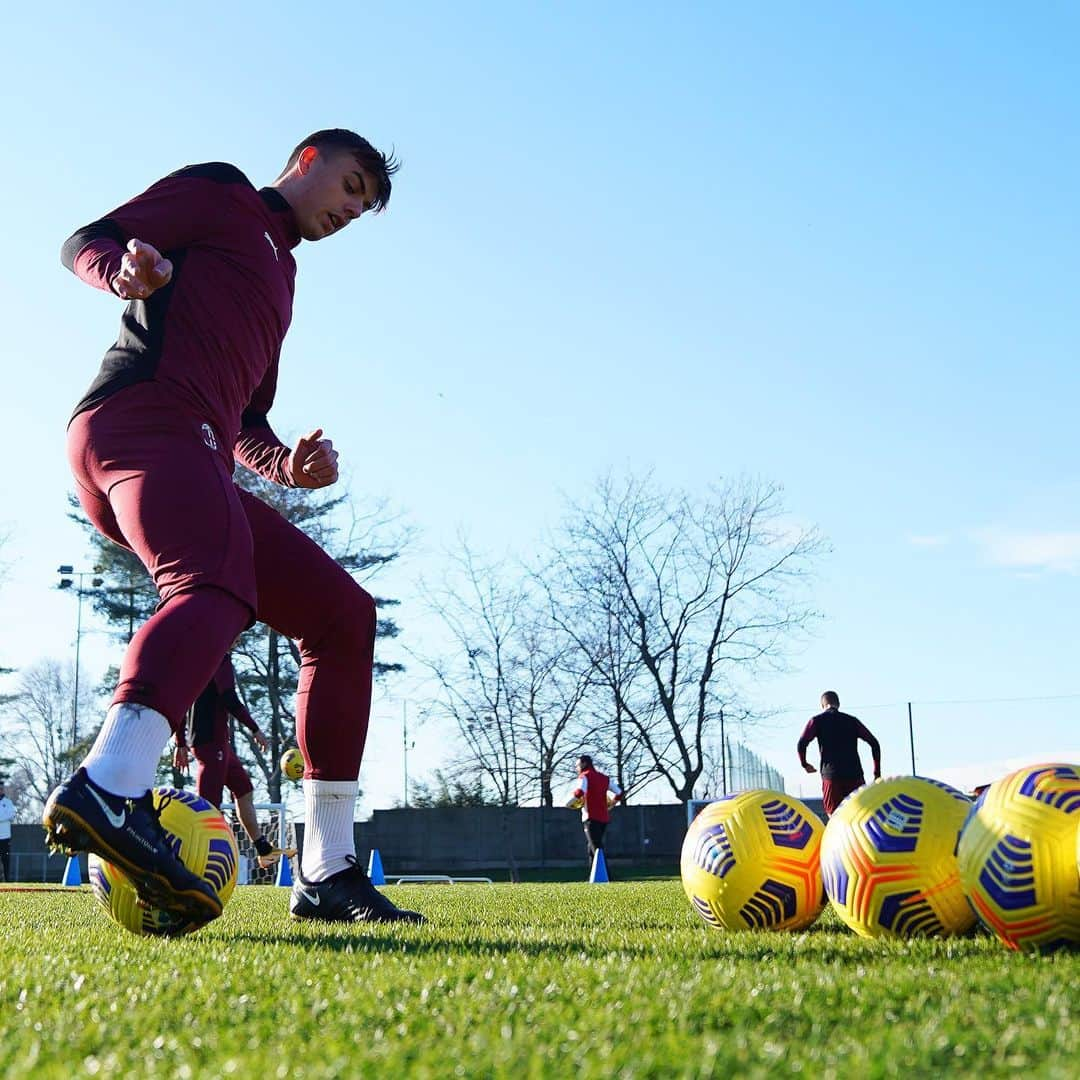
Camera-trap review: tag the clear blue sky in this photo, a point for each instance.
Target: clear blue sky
(835, 245)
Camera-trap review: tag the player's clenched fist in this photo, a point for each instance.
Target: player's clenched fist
(143, 270)
(313, 462)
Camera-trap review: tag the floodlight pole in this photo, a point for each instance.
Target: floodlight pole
(911, 738)
(405, 747)
(78, 645)
(723, 755)
(68, 574)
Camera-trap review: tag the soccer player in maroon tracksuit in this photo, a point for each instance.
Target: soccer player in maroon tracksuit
(216, 763)
(205, 263)
(838, 737)
(593, 788)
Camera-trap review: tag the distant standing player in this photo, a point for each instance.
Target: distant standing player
(217, 765)
(594, 789)
(204, 261)
(7, 815)
(838, 736)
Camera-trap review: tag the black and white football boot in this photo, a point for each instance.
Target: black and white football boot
(80, 816)
(347, 896)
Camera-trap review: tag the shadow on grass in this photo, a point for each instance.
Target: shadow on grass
(828, 943)
(339, 941)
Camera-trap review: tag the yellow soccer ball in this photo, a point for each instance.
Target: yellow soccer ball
(292, 764)
(751, 861)
(888, 859)
(204, 843)
(1018, 857)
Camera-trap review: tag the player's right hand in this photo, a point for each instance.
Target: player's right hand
(180, 758)
(313, 461)
(143, 270)
(808, 767)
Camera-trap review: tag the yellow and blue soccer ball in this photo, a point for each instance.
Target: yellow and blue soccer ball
(888, 859)
(1018, 857)
(201, 839)
(751, 861)
(292, 764)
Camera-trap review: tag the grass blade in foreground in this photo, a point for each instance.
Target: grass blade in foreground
(527, 980)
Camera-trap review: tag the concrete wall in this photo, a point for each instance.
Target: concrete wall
(474, 838)
(457, 840)
(30, 859)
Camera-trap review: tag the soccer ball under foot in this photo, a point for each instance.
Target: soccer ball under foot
(201, 840)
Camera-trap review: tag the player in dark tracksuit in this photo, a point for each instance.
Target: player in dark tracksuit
(216, 763)
(205, 262)
(837, 737)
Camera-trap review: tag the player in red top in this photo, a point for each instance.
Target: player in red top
(205, 263)
(216, 763)
(595, 793)
(837, 737)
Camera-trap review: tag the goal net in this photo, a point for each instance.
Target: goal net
(275, 825)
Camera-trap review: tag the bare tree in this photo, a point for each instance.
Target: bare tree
(511, 680)
(553, 689)
(696, 595)
(27, 810)
(479, 675)
(598, 647)
(39, 719)
(506, 681)
(5, 539)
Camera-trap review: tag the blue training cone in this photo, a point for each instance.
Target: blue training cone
(72, 874)
(598, 873)
(374, 868)
(284, 871)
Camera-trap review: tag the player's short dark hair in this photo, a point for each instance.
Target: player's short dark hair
(584, 759)
(831, 697)
(379, 165)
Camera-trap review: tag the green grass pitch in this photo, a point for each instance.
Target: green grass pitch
(566, 980)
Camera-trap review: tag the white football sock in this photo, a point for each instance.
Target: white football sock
(328, 833)
(124, 757)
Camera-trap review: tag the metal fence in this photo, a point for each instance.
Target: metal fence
(740, 769)
(37, 866)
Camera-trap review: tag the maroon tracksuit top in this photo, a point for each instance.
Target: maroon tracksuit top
(838, 735)
(214, 706)
(213, 335)
(195, 367)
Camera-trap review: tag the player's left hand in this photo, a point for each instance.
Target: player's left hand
(808, 767)
(314, 461)
(260, 739)
(180, 758)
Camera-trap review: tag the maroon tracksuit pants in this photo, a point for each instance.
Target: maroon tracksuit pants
(151, 478)
(834, 792)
